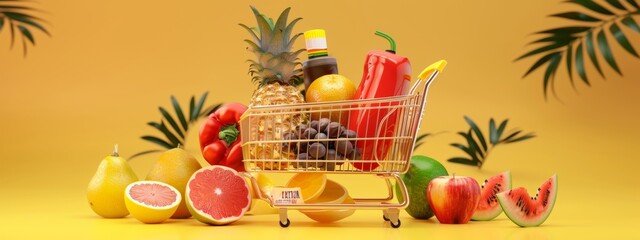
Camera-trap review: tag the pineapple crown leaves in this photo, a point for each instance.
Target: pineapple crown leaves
(571, 42)
(17, 17)
(274, 38)
(180, 125)
(272, 43)
(478, 147)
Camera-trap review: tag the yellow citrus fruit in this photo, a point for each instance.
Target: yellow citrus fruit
(311, 184)
(332, 87)
(151, 201)
(175, 167)
(265, 185)
(326, 216)
(332, 193)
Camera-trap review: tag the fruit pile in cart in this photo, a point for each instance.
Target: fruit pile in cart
(310, 121)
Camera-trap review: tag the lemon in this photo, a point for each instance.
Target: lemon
(151, 201)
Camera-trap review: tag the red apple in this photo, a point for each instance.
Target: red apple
(453, 198)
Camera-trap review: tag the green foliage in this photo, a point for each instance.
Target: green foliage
(180, 125)
(599, 22)
(478, 146)
(18, 17)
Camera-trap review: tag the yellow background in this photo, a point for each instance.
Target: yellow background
(109, 64)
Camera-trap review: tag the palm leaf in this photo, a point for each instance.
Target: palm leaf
(477, 157)
(477, 131)
(179, 113)
(27, 34)
(541, 62)
(580, 65)
(634, 4)
(207, 111)
(617, 4)
(543, 49)
(576, 16)
(493, 132)
(622, 40)
(592, 52)
(550, 72)
(630, 23)
(593, 6)
(500, 130)
(593, 31)
(156, 140)
(522, 138)
(605, 50)
(171, 121)
(192, 105)
(171, 139)
(12, 14)
(196, 111)
(164, 130)
(26, 19)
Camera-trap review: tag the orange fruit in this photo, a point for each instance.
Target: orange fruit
(332, 87)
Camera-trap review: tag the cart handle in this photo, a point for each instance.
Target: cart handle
(429, 74)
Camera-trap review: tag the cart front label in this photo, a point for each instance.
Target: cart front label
(285, 196)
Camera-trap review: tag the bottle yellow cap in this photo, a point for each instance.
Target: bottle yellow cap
(316, 42)
(315, 33)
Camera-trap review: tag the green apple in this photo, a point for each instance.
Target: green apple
(421, 170)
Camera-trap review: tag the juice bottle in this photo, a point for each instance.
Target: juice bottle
(319, 62)
(385, 75)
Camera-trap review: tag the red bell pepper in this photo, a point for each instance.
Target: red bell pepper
(220, 137)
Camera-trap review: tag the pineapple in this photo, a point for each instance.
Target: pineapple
(277, 71)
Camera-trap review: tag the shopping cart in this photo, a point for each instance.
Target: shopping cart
(384, 152)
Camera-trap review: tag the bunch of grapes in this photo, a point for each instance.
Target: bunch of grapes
(322, 140)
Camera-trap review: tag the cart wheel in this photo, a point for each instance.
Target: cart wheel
(385, 217)
(284, 225)
(397, 225)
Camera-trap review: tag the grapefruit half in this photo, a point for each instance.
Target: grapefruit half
(151, 201)
(217, 195)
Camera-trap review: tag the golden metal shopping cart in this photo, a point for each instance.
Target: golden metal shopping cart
(385, 151)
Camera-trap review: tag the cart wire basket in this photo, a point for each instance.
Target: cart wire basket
(368, 136)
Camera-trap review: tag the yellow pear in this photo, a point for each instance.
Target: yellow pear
(106, 189)
(175, 167)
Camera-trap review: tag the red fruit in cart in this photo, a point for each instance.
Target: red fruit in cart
(453, 199)
(217, 195)
(526, 211)
(488, 207)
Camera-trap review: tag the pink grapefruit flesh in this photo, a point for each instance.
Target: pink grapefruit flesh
(217, 195)
(153, 195)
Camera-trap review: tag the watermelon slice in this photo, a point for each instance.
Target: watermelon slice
(488, 208)
(526, 211)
